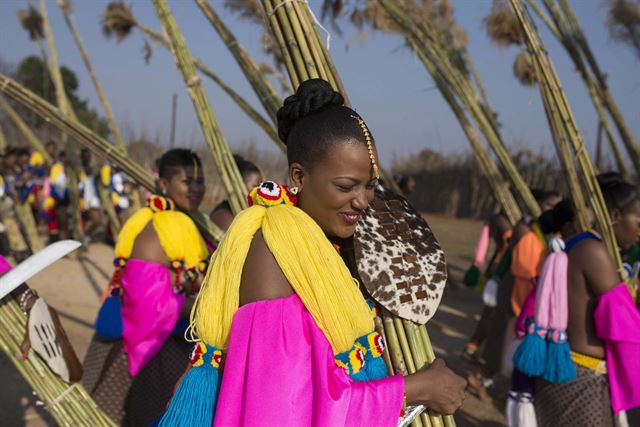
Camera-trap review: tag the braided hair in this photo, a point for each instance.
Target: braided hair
(315, 119)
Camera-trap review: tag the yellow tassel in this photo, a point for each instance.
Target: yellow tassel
(179, 236)
(309, 262)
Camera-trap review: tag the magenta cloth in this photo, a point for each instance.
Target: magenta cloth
(4, 265)
(617, 322)
(279, 370)
(150, 310)
(528, 311)
(482, 247)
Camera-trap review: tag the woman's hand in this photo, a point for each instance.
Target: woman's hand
(436, 387)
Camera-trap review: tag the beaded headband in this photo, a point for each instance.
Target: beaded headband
(369, 141)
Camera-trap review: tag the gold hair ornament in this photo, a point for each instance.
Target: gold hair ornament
(369, 141)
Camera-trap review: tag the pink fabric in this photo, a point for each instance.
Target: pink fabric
(482, 247)
(552, 309)
(280, 371)
(617, 322)
(46, 187)
(150, 310)
(4, 265)
(528, 310)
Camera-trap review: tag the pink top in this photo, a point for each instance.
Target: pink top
(617, 322)
(279, 370)
(150, 310)
(4, 265)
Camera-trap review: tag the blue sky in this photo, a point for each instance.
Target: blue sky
(386, 83)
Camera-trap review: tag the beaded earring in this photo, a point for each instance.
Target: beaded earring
(369, 141)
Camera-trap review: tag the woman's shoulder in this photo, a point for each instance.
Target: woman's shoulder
(594, 260)
(262, 278)
(148, 247)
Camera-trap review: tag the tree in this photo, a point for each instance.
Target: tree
(30, 73)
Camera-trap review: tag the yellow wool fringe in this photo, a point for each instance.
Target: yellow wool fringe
(179, 236)
(310, 263)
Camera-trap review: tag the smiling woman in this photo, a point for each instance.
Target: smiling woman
(281, 305)
(138, 351)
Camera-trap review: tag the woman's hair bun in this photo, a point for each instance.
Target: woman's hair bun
(312, 95)
(608, 180)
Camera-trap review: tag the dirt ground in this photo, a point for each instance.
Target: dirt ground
(74, 285)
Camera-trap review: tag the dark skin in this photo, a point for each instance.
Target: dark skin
(523, 228)
(592, 272)
(342, 182)
(186, 189)
(223, 217)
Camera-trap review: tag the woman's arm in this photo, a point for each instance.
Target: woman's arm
(437, 387)
(262, 279)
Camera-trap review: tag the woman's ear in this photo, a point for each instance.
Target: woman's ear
(616, 215)
(162, 185)
(296, 175)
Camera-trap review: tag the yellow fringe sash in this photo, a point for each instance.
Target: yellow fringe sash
(310, 263)
(179, 236)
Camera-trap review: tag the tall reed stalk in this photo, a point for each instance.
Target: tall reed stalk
(307, 58)
(69, 404)
(425, 37)
(267, 95)
(98, 145)
(227, 168)
(119, 16)
(568, 32)
(3, 141)
(26, 131)
(550, 84)
(66, 8)
(65, 106)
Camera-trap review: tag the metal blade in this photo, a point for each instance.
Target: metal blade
(34, 264)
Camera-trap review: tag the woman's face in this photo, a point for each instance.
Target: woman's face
(185, 188)
(626, 225)
(251, 180)
(336, 189)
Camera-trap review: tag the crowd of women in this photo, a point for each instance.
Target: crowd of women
(269, 326)
(558, 317)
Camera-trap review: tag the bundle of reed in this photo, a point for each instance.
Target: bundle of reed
(23, 210)
(69, 404)
(98, 145)
(3, 141)
(26, 131)
(66, 8)
(606, 96)
(442, 61)
(493, 176)
(267, 95)
(561, 143)
(563, 24)
(119, 19)
(227, 168)
(552, 89)
(409, 347)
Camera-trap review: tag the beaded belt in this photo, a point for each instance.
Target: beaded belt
(597, 365)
